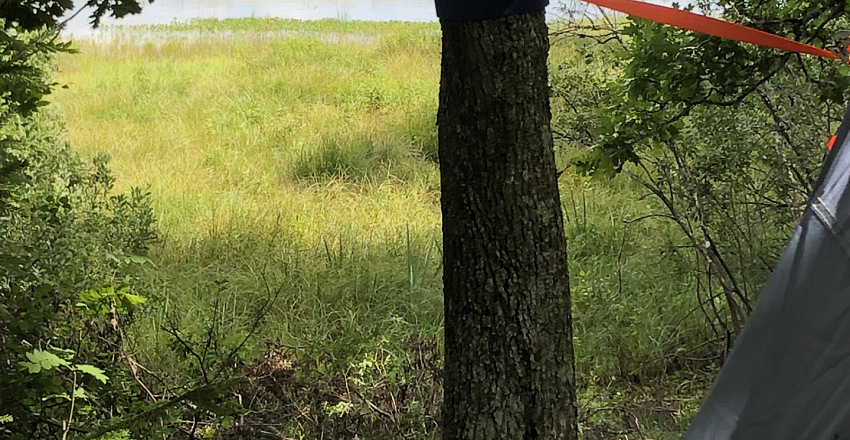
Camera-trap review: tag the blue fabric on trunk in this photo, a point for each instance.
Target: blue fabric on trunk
(482, 9)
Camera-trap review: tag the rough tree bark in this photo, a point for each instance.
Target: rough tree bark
(508, 336)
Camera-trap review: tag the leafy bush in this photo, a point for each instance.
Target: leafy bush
(68, 246)
(69, 249)
(721, 142)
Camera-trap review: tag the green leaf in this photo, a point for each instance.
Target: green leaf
(80, 393)
(4, 313)
(93, 371)
(42, 360)
(138, 259)
(6, 419)
(90, 297)
(31, 367)
(134, 300)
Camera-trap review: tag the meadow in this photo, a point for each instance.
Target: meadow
(297, 162)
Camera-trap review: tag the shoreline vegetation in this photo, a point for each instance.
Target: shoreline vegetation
(298, 160)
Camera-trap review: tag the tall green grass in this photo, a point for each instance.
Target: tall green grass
(300, 157)
(293, 161)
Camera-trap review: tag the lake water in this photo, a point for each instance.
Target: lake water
(168, 11)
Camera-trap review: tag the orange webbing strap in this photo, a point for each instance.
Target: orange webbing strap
(711, 26)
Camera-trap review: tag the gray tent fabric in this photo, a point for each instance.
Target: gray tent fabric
(788, 375)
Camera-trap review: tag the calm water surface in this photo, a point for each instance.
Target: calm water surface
(168, 11)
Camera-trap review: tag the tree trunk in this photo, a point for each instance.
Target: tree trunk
(508, 336)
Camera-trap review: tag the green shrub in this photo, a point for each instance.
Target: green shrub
(68, 245)
(67, 251)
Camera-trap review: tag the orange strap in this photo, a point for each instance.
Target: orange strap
(711, 26)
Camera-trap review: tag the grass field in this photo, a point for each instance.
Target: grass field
(300, 157)
(307, 153)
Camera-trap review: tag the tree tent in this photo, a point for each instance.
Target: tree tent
(788, 375)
